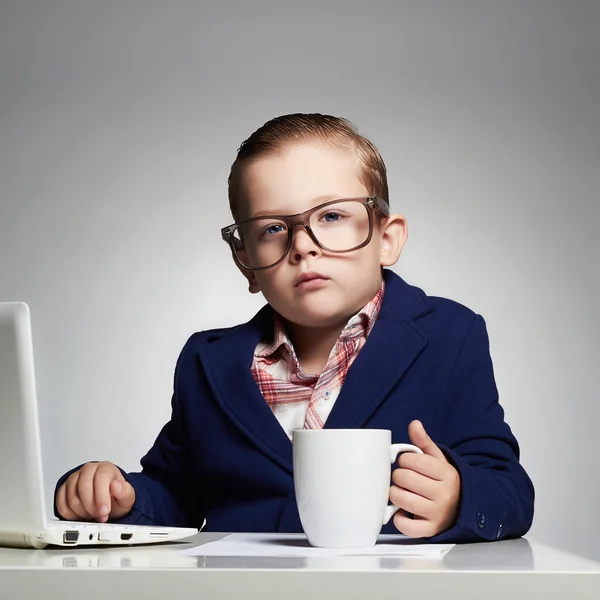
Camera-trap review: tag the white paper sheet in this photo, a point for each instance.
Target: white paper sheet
(291, 544)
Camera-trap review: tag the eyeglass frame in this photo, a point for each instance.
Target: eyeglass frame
(371, 203)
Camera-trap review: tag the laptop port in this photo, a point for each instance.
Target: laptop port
(126, 536)
(70, 537)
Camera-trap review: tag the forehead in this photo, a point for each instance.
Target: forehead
(298, 178)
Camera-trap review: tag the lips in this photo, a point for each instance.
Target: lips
(308, 277)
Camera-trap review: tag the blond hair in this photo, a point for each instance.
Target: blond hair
(282, 131)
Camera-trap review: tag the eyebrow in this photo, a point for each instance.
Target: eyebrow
(315, 202)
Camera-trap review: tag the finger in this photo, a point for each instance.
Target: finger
(85, 488)
(415, 482)
(123, 496)
(103, 477)
(73, 499)
(420, 438)
(414, 528)
(61, 505)
(412, 503)
(424, 464)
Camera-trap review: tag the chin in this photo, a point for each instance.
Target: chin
(318, 317)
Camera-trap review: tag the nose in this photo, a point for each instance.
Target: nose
(302, 244)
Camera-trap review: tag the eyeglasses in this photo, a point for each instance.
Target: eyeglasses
(337, 226)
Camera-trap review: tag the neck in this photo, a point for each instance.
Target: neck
(313, 345)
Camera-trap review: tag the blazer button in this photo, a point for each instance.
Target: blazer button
(500, 530)
(480, 519)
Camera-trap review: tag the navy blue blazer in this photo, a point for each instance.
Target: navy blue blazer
(224, 457)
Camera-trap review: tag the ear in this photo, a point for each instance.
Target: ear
(252, 283)
(251, 277)
(394, 233)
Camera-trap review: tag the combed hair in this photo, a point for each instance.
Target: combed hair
(285, 130)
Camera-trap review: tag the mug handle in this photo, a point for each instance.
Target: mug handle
(395, 449)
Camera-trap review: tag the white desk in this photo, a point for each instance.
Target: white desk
(507, 569)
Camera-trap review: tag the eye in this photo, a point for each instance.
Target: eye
(331, 217)
(272, 229)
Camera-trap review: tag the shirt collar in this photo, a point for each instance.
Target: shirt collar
(360, 324)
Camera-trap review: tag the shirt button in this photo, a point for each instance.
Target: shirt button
(326, 394)
(500, 529)
(480, 519)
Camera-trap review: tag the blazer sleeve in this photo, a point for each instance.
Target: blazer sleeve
(165, 492)
(497, 495)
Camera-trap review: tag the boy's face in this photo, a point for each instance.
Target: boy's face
(298, 178)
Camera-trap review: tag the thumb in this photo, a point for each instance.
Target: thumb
(122, 493)
(420, 438)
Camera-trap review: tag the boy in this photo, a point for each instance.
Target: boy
(342, 343)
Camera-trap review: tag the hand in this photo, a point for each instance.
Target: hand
(96, 492)
(427, 486)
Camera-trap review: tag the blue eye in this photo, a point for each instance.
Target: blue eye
(331, 217)
(272, 230)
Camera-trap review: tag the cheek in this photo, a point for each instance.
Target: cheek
(368, 257)
(269, 283)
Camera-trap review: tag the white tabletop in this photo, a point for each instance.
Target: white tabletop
(522, 568)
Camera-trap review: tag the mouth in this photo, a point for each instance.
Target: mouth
(308, 277)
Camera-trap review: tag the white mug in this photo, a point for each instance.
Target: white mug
(342, 484)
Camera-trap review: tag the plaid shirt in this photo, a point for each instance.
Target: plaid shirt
(301, 400)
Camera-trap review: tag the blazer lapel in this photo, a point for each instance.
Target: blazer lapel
(393, 344)
(227, 361)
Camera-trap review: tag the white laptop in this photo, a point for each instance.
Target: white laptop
(23, 520)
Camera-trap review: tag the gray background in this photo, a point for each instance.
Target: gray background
(118, 124)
